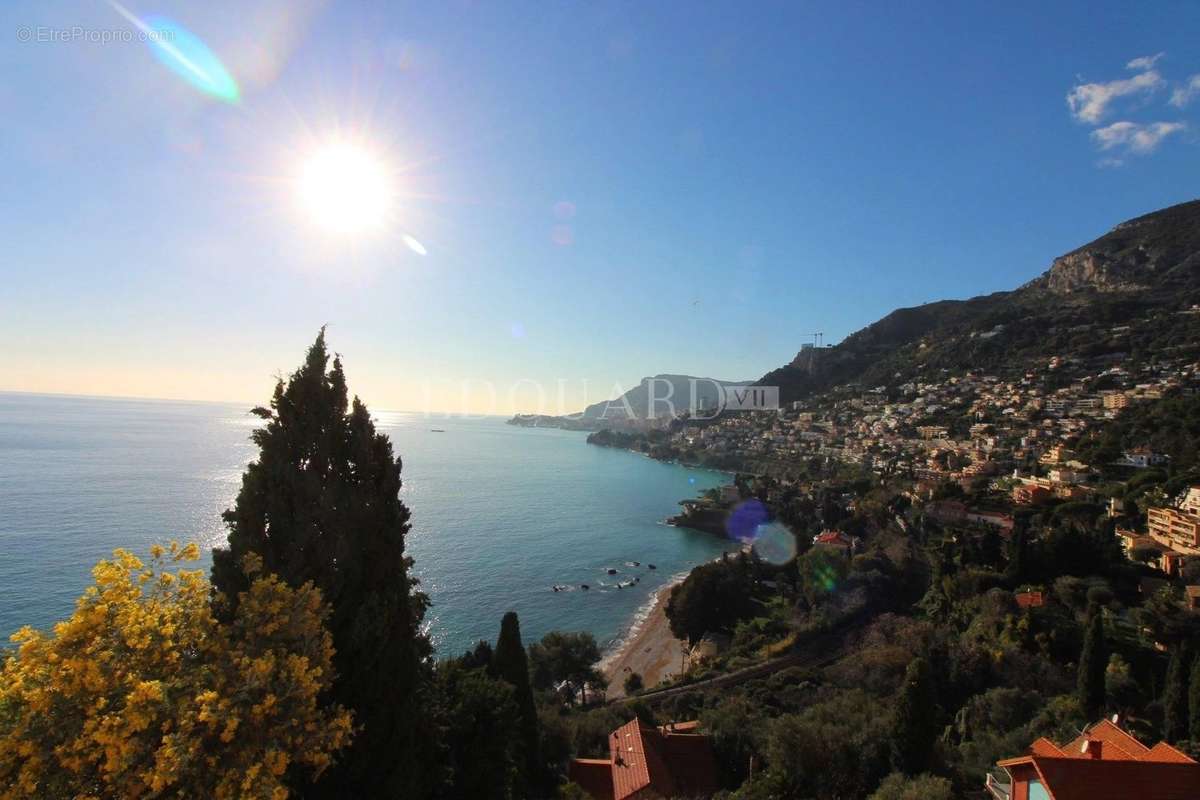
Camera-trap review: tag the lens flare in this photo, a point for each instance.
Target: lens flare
(412, 244)
(185, 54)
(745, 520)
(774, 543)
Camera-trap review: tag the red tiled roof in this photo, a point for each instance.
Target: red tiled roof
(1118, 744)
(637, 761)
(663, 760)
(1030, 599)
(1045, 747)
(1114, 766)
(1163, 753)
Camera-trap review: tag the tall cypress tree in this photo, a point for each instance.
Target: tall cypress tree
(510, 664)
(1175, 696)
(1194, 701)
(1018, 556)
(914, 728)
(321, 504)
(1093, 661)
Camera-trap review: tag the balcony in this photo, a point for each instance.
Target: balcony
(996, 789)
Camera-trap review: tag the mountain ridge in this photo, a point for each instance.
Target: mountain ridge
(671, 392)
(1142, 266)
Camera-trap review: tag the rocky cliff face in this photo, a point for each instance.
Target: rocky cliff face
(1150, 252)
(1148, 265)
(1085, 271)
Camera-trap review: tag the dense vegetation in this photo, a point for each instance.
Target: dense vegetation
(144, 693)
(321, 504)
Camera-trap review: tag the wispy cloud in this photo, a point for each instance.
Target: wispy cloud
(1186, 93)
(1089, 102)
(1134, 138)
(1144, 62)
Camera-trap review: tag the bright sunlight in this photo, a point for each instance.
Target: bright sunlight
(345, 189)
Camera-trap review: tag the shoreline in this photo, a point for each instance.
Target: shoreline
(648, 647)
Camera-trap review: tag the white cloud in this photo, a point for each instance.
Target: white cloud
(1089, 101)
(1133, 137)
(1185, 93)
(1144, 62)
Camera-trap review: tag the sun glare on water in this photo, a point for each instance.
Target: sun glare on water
(345, 190)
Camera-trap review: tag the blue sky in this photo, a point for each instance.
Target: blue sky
(605, 190)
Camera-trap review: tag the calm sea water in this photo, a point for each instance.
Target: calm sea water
(500, 514)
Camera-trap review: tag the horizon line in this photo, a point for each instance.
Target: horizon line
(250, 404)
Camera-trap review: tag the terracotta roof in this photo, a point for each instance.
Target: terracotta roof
(637, 761)
(1164, 753)
(1045, 747)
(662, 760)
(833, 537)
(1030, 599)
(1117, 743)
(1113, 766)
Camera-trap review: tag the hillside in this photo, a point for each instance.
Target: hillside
(671, 393)
(1127, 292)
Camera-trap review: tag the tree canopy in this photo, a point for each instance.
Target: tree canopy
(510, 664)
(321, 504)
(565, 658)
(143, 693)
(713, 597)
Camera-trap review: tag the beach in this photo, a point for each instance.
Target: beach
(649, 650)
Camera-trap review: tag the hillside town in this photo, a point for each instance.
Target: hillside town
(1014, 436)
(956, 429)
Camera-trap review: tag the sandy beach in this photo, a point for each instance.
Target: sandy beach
(650, 651)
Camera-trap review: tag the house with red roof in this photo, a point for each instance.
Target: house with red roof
(1102, 763)
(643, 762)
(1031, 598)
(836, 540)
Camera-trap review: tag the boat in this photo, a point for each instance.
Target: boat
(436, 430)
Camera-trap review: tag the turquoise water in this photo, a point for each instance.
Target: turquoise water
(500, 514)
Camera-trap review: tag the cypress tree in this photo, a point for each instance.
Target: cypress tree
(1175, 697)
(1018, 556)
(915, 725)
(1194, 701)
(1093, 661)
(510, 664)
(321, 504)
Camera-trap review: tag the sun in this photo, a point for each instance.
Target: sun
(345, 189)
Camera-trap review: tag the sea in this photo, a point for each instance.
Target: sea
(500, 514)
